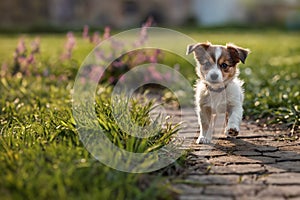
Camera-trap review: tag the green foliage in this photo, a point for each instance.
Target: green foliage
(41, 156)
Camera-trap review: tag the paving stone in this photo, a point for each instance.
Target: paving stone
(280, 191)
(254, 165)
(197, 166)
(266, 148)
(283, 179)
(256, 198)
(204, 197)
(293, 148)
(263, 159)
(283, 155)
(209, 152)
(251, 179)
(274, 168)
(188, 189)
(287, 166)
(238, 169)
(246, 153)
(202, 147)
(234, 159)
(214, 179)
(294, 198)
(235, 190)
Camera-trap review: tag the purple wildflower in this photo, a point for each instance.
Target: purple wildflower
(168, 76)
(96, 38)
(154, 73)
(153, 58)
(69, 46)
(35, 46)
(85, 33)
(106, 32)
(118, 63)
(111, 80)
(143, 33)
(21, 48)
(30, 59)
(95, 73)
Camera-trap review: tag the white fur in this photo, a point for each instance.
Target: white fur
(218, 53)
(229, 101)
(215, 97)
(214, 69)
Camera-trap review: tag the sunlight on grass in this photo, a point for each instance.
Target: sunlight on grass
(41, 156)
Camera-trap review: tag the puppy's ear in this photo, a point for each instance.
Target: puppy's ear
(190, 48)
(193, 47)
(238, 52)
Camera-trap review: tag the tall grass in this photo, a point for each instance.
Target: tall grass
(41, 154)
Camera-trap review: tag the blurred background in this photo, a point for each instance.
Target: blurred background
(47, 15)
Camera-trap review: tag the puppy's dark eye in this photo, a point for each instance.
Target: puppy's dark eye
(224, 65)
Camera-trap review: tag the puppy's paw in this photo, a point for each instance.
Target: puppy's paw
(232, 132)
(202, 140)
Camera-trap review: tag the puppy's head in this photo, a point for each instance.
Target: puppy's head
(217, 64)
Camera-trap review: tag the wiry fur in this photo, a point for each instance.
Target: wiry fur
(218, 90)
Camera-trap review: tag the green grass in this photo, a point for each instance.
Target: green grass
(41, 156)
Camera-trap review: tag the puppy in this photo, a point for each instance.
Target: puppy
(218, 90)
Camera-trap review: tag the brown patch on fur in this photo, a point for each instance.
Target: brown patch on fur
(230, 71)
(195, 47)
(229, 74)
(203, 54)
(237, 53)
(205, 45)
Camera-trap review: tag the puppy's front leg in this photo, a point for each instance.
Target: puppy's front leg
(234, 120)
(204, 116)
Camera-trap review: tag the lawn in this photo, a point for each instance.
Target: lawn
(41, 156)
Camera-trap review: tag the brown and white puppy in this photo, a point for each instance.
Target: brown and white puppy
(218, 90)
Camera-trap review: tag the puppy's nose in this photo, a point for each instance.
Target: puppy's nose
(214, 77)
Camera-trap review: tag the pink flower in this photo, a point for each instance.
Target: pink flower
(96, 38)
(70, 41)
(35, 46)
(106, 32)
(155, 74)
(168, 76)
(122, 78)
(69, 46)
(96, 73)
(143, 33)
(111, 80)
(139, 58)
(85, 32)
(30, 59)
(118, 63)
(21, 48)
(153, 57)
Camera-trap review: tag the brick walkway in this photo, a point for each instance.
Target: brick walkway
(255, 165)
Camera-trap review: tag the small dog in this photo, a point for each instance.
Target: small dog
(218, 90)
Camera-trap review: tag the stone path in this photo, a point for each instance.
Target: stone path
(258, 164)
